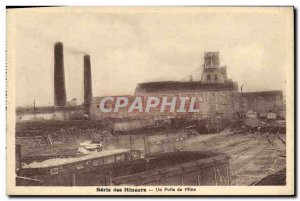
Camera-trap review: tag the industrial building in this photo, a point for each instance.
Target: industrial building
(263, 103)
(217, 96)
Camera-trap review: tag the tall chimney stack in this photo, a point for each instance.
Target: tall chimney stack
(87, 82)
(59, 76)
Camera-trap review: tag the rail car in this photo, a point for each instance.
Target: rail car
(128, 168)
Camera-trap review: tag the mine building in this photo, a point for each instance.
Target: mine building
(217, 96)
(266, 104)
(214, 93)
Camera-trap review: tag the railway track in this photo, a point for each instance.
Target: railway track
(272, 169)
(260, 149)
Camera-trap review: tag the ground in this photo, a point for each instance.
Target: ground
(255, 158)
(252, 156)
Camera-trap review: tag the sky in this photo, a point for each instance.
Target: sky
(129, 46)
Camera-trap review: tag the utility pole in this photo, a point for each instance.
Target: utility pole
(242, 105)
(34, 108)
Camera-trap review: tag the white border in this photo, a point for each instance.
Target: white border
(92, 3)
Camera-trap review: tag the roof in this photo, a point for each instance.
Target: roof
(263, 93)
(46, 110)
(181, 86)
(63, 161)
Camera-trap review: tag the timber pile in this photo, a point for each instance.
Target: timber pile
(63, 161)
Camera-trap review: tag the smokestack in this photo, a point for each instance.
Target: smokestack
(59, 76)
(87, 82)
(191, 78)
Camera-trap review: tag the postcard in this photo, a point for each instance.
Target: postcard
(150, 101)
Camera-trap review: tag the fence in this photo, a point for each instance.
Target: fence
(211, 171)
(147, 145)
(184, 169)
(132, 125)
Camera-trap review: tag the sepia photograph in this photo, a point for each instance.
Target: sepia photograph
(150, 101)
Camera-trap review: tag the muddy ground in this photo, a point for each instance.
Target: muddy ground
(252, 156)
(255, 158)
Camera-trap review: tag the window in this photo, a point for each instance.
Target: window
(213, 108)
(212, 97)
(216, 78)
(208, 77)
(224, 98)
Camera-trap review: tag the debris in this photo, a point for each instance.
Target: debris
(47, 139)
(90, 146)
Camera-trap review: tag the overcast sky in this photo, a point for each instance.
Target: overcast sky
(139, 45)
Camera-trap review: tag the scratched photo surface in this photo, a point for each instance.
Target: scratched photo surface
(150, 100)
